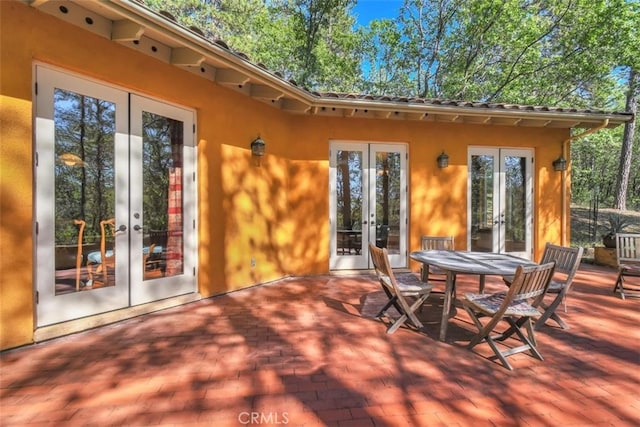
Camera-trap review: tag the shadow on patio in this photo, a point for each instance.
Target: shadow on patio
(306, 351)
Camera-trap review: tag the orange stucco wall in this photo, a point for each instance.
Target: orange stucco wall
(277, 212)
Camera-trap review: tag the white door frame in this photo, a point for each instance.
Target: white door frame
(130, 288)
(359, 259)
(499, 189)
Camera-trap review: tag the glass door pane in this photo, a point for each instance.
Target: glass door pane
(84, 192)
(349, 235)
(516, 221)
(482, 175)
(163, 249)
(389, 201)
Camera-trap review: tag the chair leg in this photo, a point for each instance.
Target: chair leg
(392, 301)
(619, 285)
(515, 325)
(529, 342)
(408, 313)
(550, 312)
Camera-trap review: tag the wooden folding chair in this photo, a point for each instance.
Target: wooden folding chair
(517, 306)
(567, 261)
(398, 290)
(428, 243)
(628, 256)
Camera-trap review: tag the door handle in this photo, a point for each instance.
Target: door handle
(122, 228)
(137, 227)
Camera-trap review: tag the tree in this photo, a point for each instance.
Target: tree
(321, 42)
(628, 50)
(381, 45)
(626, 152)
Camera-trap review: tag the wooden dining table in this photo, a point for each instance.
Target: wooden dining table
(467, 262)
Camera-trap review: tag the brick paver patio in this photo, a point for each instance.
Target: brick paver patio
(305, 351)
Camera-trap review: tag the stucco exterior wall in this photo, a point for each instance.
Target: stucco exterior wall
(276, 212)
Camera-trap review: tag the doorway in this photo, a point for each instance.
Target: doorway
(115, 198)
(500, 201)
(368, 203)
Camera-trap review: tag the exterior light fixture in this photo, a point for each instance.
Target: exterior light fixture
(560, 164)
(258, 147)
(443, 160)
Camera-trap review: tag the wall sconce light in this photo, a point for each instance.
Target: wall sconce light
(560, 164)
(258, 147)
(443, 160)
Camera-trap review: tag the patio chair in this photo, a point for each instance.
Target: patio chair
(428, 243)
(399, 290)
(567, 260)
(517, 306)
(628, 256)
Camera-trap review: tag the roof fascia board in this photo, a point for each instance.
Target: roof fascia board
(547, 117)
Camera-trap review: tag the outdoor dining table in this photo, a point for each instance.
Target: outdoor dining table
(465, 262)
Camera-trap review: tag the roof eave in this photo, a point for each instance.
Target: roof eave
(127, 20)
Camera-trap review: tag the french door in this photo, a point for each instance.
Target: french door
(500, 201)
(115, 198)
(368, 203)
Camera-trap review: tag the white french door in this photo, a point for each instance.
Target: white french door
(115, 198)
(500, 201)
(368, 203)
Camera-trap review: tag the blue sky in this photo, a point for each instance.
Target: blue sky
(366, 10)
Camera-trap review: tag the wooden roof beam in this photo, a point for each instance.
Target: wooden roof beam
(126, 31)
(265, 92)
(227, 76)
(186, 57)
(294, 105)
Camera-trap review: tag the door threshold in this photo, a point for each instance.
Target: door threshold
(79, 325)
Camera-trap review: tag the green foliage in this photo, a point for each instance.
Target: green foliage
(565, 53)
(617, 224)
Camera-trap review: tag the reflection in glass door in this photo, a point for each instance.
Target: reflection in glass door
(115, 199)
(500, 201)
(368, 203)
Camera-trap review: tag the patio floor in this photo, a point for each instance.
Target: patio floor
(306, 351)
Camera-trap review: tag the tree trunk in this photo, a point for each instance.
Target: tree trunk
(626, 151)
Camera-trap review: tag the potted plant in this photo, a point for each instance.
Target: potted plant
(617, 224)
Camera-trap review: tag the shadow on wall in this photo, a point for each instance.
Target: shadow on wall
(274, 217)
